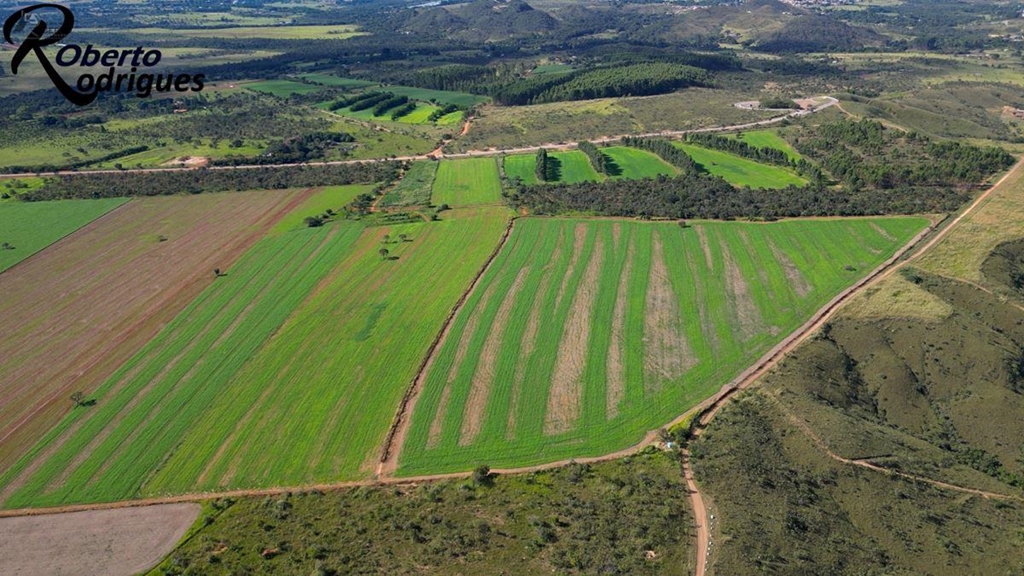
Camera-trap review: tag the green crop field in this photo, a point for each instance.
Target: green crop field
(769, 139)
(282, 88)
(330, 198)
(286, 371)
(28, 227)
(740, 171)
(467, 182)
(415, 187)
(625, 162)
(569, 167)
(584, 335)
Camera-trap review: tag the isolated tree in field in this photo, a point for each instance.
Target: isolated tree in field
(541, 169)
(482, 475)
(216, 272)
(383, 253)
(313, 221)
(403, 237)
(78, 398)
(385, 239)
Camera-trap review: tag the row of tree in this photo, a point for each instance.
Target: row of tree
(667, 151)
(692, 195)
(594, 154)
(151, 183)
(541, 170)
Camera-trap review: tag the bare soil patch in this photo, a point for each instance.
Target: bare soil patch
(667, 353)
(616, 388)
(793, 274)
(566, 391)
(748, 317)
(110, 542)
(702, 235)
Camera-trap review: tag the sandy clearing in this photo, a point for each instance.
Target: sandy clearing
(616, 388)
(109, 542)
(748, 317)
(793, 273)
(566, 392)
(529, 341)
(667, 352)
(75, 312)
(483, 380)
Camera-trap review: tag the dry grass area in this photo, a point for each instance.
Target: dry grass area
(1001, 218)
(897, 297)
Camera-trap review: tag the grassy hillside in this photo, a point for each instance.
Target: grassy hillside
(585, 334)
(919, 375)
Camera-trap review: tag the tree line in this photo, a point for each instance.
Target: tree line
(667, 152)
(151, 183)
(690, 195)
(595, 156)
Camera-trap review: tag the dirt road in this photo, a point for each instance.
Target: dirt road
(439, 152)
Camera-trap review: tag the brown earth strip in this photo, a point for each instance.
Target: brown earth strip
(793, 274)
(566, 392)
(709, 259)
(667, 352)
(483, 380)
(400, 426)
(75, 312)
(616, 389)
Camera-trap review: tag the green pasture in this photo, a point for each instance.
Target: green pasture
(768, 139)
(741, 171)
(567, 167)
(583, 335)
(467, 182)
(633, 163)
(28, 227)
(329, 198)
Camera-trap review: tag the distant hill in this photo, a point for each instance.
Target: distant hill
(481, 20)
(817, 33)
